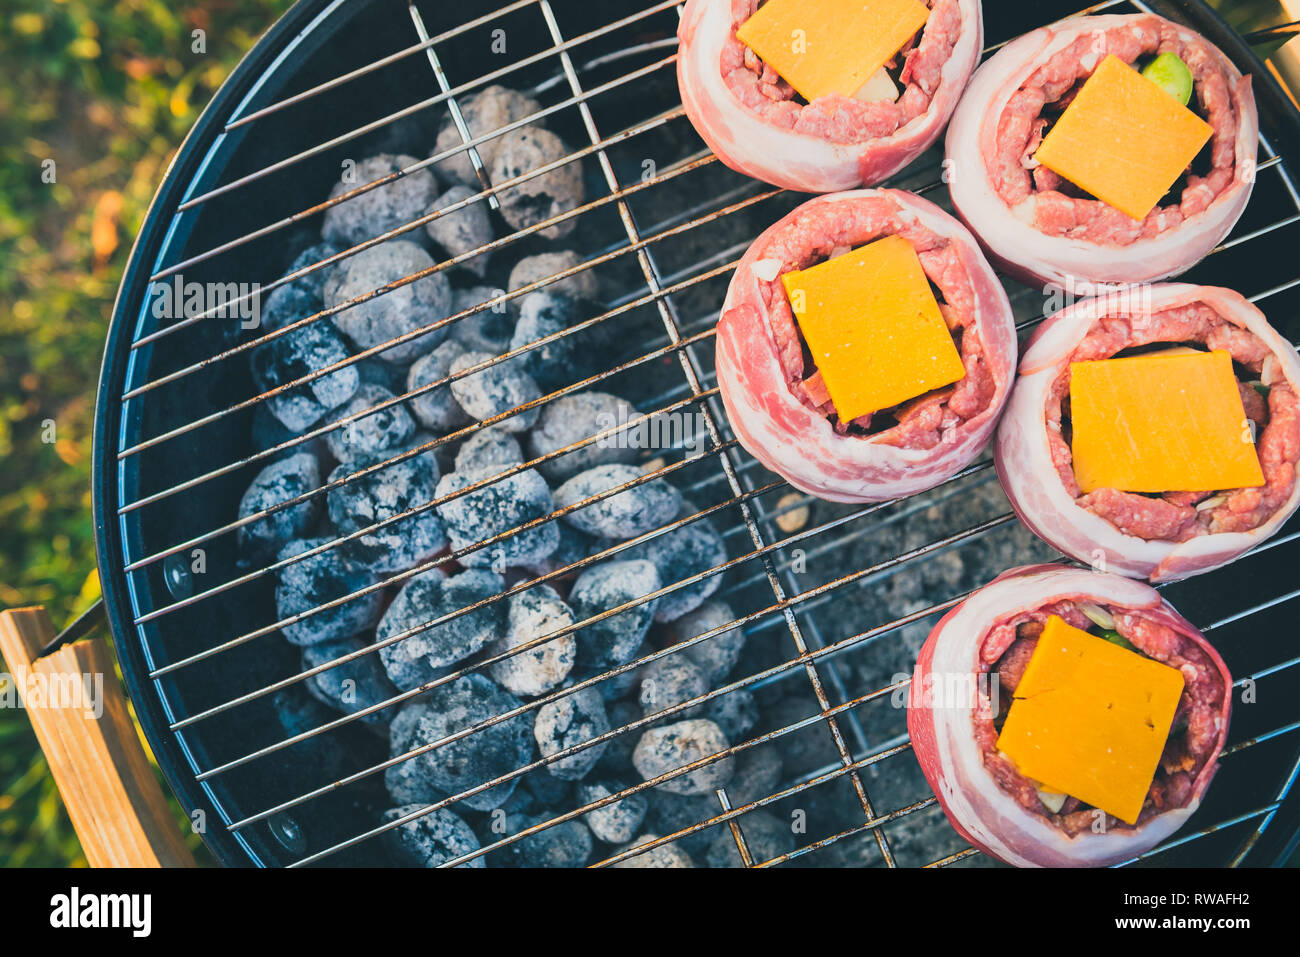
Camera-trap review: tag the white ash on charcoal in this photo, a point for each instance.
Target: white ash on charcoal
(383, 208)
(615, 686)
(487, 110)
(395, 312)
(566, 723)
(486, 448)
(428, 597)
(431, 839)
(559, 362)
(280, 482)
(601, 588)
(765, 835)
(570, 419)
(532, 614)
(494, 390)
(353, 685)
(463, 230)
(619, 821)
(298, 298)
(312, 282)
(669, 747)
(496, 509)
(531, 269)
(311, 582)
(365, 436)
(487, 330)
(406, 783)
(663, 856)
(624, 514)
(293, 355)
(436, 408)
(567, 844)
(473, 760)
(522, 151)
(715, 656)
(758, 774)
(377, 498)
(667, 682)
(268, 432)
(735, 712)
(686, 551)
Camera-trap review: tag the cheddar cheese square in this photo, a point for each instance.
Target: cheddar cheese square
(873, 327)
(1123, 139)
(1090, 719)
(830, 46)
(1170, 422)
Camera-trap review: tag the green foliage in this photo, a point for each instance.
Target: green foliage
(106, 90)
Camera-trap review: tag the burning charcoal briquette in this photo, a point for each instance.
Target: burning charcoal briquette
(573, 547)
(437, 408)
(568, 722)
(665, 855)
(572, 418)
(383, 208)
(291, 356)
(407, 783)
(556, 363)
(673, 746)
(376, 498)
(464, 230)
(531, 269)
(311, 582)
(670, 681)
(614, 640)
(279, 482)
(532, 614)
(314, 281)
(352, 686)
(494, 390)
(681, 553)
(622, 515)
(430, 839)
(396, 312)
(615, 823)
(735, 712)
(367, 435)
(490, 109)
(567, 844)
(427, 597)
(487, 330)
(489, 447)
(521, 151)
(475, 759)
(767, 837)
(714, 656)
(498, 508)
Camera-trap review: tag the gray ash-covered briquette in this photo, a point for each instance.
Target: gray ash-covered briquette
(501, 507)
(617, 759)
(281, 481)
(319, 579)
(715, 656)
(430, 839)
(542, 197)
(626, 514)
(427, 597)
(395, 312)
(766, 836)
(436, 408)
(487, 329)
(664, 856)
(313, 282)
(757, 775)
(464, 230)
(567, 722)
(618, 822)
(296, 354)
(668, 747)
(581, 285)
(564, 358)
(406, 783)
(365, 436)
(574, 546)
(353, 685)
(570, 419)
(376, 499)
(567, 844)
(670, 681)
(532, 614)
(735, 712)
(475, 759)
(383, 208)
(615, 686)
(489, 447)
(487, 110)
(601, 588)
(689, 550)
(495, 390)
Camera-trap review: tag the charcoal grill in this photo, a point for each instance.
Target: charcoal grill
(836, 599)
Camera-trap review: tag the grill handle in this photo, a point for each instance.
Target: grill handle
(110, 789)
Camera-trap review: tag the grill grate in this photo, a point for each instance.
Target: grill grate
(669, 236)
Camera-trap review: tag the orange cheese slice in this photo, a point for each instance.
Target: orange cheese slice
(873, 327)
(830, 46)
(1123, 139)
(1167, 422)
(1091, 718)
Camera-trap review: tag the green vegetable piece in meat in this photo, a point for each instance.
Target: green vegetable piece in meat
(1115, 638)
(1171, 74)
